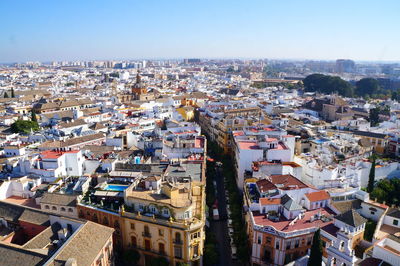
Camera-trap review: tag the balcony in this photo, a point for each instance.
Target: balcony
(146, 234)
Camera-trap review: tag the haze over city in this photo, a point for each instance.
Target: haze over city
(104, 30)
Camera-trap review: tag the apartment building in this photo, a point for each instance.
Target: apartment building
(260, 143)
(283, 214)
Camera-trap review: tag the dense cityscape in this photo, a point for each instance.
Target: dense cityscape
(200, 162)
(199, 133)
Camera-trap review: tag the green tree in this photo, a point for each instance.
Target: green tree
(374, 116)
(366, 86)
(159, 261)
(22, 126)
(12, 93)
(370, 227)
(387, 190)
(6, 95)
(33, 116)
(327, 84)
(131, 257)
(371, 178)
(210, 255)
(316, 250)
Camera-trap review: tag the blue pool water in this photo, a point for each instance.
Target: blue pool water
(116, 187)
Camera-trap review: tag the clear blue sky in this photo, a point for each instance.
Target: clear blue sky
(292, 29)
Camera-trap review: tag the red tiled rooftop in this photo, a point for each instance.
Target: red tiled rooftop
(292, 164)
(304, 223)
(270, 201)
(317, 196)
(238, 133)
(286, 182)
(54, 154)
(377, 204)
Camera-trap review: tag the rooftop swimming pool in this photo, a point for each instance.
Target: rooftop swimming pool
(115, 187)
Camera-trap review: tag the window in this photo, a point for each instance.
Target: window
(341, 245)
(54, 208)
(178, 238)
(132, 226)
(296, 243)
(186, 215)
(166, 212)
(395, 222)
(196, 251)
(133, 241)
(147, 244)
(152, 209)
(46, 207)
(70, 210)
(259, 240)
(161, 248)
(288, 244)
(160, 232)
(308, 241)
(177, 252)
(277, 245)
(372, 212)
(63, 209)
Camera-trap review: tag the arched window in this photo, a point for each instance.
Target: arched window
(46, 207)
(70, 210)
(54, 208)
(81, 214)
(133, 241)
(161, 248)
(95, 219)
(105, 221)
(63, 209)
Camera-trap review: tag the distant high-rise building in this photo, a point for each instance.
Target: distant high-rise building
(191, 60)
(345, 66)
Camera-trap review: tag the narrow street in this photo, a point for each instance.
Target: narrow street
(220, 228)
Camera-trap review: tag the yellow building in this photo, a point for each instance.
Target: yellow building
(235, 119)
(162, 215)
(186, 112)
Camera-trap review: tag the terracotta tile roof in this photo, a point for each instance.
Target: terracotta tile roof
(317, 196)
(270, 201)
(86, 244)
(59, 199)
(71, 141)
(76, 123)
(15, 255)
(343, 206)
